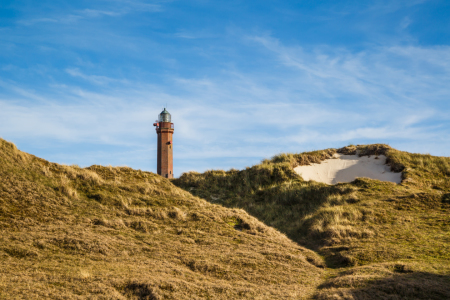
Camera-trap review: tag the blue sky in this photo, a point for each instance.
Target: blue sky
(81, 82)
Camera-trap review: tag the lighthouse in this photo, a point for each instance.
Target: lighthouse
(164, 130)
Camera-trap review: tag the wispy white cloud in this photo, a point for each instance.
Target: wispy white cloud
(113, 9)
(137, 5)
(98, 13)
(94, 79)
(65, 19)
(391, 6)
(385, 73)
(405, 22)
(199, 34)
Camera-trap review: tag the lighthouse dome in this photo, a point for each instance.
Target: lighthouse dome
(164, 116)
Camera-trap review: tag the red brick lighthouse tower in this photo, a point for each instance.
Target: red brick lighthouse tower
(164, 129)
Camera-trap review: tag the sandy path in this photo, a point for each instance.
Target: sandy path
(346, 168)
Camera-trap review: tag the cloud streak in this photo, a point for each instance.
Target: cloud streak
(113, 9)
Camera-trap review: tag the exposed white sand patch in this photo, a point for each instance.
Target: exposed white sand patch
(346, 168)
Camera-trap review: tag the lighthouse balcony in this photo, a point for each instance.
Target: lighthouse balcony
(167, 125)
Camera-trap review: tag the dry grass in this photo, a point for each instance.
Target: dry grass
(363, 223)
(118, 233)
(395, 280)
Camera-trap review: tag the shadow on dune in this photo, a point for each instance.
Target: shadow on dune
(416, 285)
(274, 194)
(366, 168)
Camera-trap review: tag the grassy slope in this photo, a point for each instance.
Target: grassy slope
(117, 233)
(380, 239)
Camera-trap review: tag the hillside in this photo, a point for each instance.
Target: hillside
(380, 240)
(259, 233)
(118, 233)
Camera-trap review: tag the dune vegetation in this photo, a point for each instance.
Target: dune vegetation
(379, 240)
(260, 233)
(118, 233)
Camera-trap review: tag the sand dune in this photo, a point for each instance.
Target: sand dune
(346, 168)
